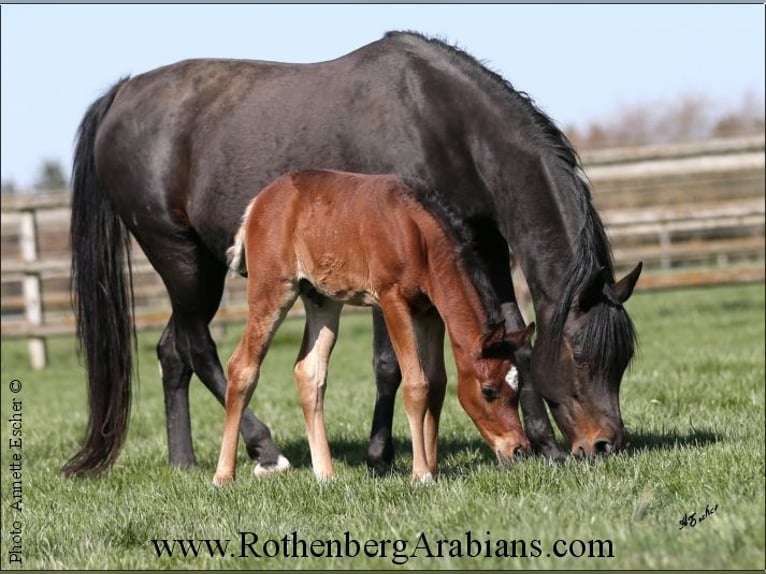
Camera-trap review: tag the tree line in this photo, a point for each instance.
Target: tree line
(690, 118)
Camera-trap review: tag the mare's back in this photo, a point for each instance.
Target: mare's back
(225, 128)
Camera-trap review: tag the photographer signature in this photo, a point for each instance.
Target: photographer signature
(693, 519)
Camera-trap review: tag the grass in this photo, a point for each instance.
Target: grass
(693, 399)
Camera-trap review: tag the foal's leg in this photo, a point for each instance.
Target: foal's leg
(322, 317)
(194, 280)
(429, 329)
(388, 376)
(416, 392)
(268, 304)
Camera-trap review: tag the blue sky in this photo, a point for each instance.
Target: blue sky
(579, 62)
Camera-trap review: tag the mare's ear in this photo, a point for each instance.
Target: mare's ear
(623, 289)
(589, 292)
(517, 339)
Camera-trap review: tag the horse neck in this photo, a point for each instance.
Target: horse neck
(453, 293)
(539, 210)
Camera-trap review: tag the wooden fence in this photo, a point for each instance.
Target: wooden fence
(693, 213)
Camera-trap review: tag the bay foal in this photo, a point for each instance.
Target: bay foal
(333, 238)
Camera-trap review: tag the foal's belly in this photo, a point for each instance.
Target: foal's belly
(351, 297)
(339, 279)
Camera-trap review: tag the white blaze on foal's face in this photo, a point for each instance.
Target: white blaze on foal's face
(512, 378)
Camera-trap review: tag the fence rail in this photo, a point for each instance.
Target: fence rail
(694, 213)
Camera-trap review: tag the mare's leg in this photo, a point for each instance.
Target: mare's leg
(388, 376)
(322, 316)
(195, 282)
(493, 249)
(176, 375)
(537, 425)
(429, 329)
(402, 331)
(268, 301)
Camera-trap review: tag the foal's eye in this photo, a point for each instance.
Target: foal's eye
(489, 393)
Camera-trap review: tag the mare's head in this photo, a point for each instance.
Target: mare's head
(490, 393)
(578, 363)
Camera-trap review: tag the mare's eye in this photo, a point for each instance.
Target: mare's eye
(489, 393)
(580, 361)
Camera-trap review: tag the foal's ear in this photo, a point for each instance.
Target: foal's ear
(518, 338)
(623, 289)
(499, 343)
(493, 338)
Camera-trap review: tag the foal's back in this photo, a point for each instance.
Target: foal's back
(349, 235)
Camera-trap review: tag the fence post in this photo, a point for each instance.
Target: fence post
(665, 256)
(33, 304)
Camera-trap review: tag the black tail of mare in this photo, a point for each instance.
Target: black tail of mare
(102, 296)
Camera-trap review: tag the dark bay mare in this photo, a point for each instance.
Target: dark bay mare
(174, 155)
(335, 237)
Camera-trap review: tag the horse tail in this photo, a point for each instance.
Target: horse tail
(102, 293)
(235, 255)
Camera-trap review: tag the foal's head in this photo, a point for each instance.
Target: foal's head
(490, 394)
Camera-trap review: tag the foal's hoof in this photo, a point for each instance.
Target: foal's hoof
(223, 479)
(324, 478)
(282, 465)
(425, 480)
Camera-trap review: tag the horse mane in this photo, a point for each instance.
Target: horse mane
(592, 239)
(464, 244)
(609, 337)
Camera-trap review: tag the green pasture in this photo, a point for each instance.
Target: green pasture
(693, 401)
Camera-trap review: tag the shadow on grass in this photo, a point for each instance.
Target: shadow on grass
(643, 441)
(353, 453)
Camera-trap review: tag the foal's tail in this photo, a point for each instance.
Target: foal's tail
(235, 255)
(102, 296)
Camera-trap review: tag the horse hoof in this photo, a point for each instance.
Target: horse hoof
(282, 465)
(380, 458)
(425, 480)
(184, 465)
(553, 452)
(379, 469)
(223, 479)
(324, 478)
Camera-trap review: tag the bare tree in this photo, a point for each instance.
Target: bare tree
(8, 188)
(685, 120)
(51, 176)
(748, 119)
(691, 117)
